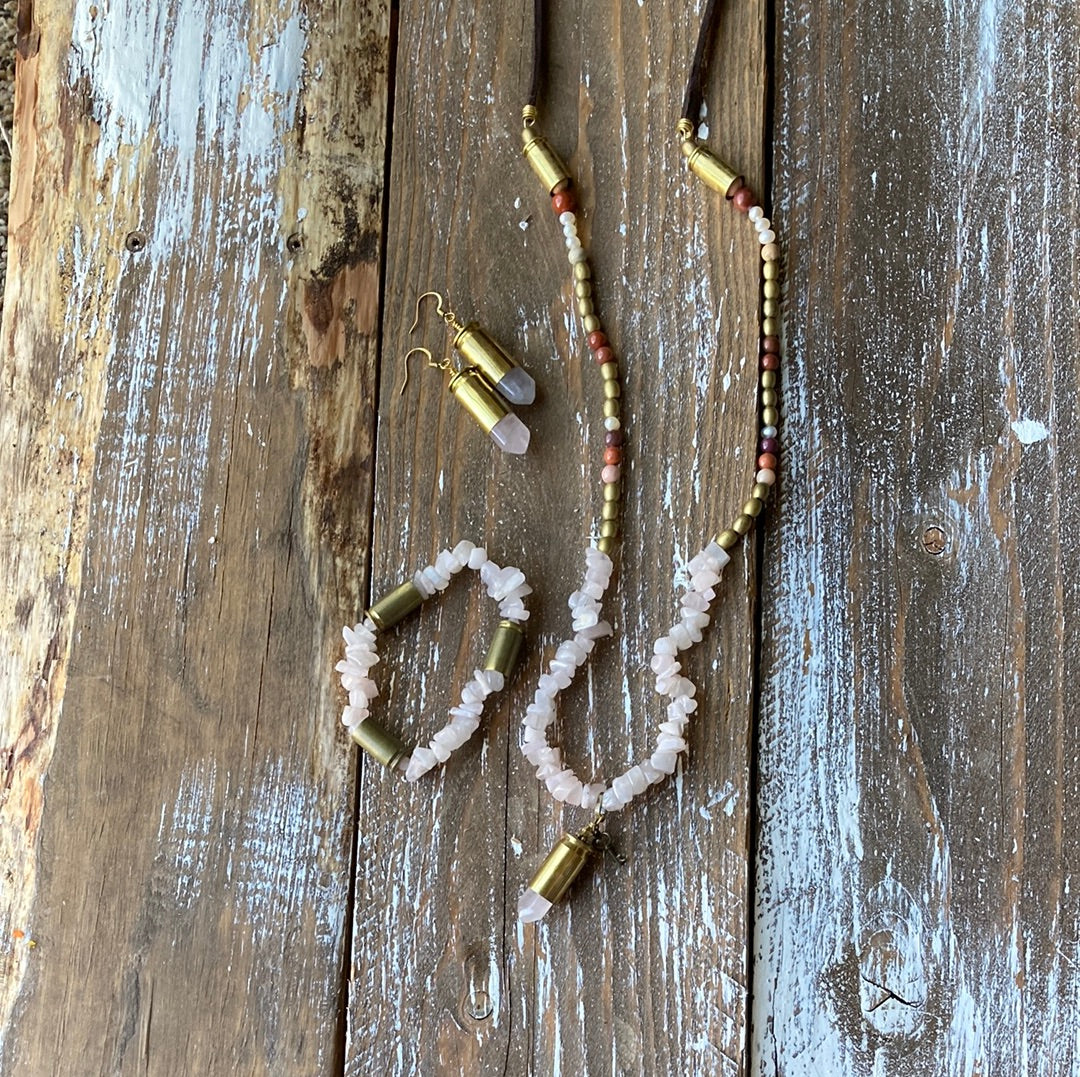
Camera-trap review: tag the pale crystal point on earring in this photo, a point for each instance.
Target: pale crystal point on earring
(511, 434)
(532, 907)
(518, 387)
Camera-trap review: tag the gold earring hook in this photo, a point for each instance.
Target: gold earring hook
(444, 365)
(438, 308)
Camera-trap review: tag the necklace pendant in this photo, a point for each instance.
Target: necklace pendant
(554, 876)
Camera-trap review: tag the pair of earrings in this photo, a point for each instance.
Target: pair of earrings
(481, 372)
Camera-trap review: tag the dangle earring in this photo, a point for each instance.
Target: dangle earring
(481, 373)
(506, 586)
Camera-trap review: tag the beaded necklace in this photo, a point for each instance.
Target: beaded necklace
(574, 850)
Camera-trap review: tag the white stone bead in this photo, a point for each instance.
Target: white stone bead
(477, 558)
(664, 663)
(695, 600)
(585, 618)
(577, 599)
(367, 686)
(702, 581)
(506, 582)
(421, 583)
(570, 653)
(463, 549)
(665, 645)
(717, 552)
(590, 794)
(586, 643)
(436, 579)
(762, 223)
(491, 680)
(489, 573)
(468, 708)
(547, 770)
(639, 780)
(612, 423)
(611, 801)
(562, 677)
(768, 236)
(596, 631)
(351, 717)
(577, 255)
(566, 217)
(665, 762)
(695, 618)
(447, 564)
(651, 772)
(448, 736)
(694, 632)
(680, 637)
(368, 625)
(768, 431)
(548, 685)
(573, 244)
(682, 705)
(674, 726)
(594, 589)
(466, 724)
(542, 711)
(623, 787)
(666, 683)
(668, 743)
(573, 798)
(423, 758)
(559, 666)
(513, 610)
(535, 721)
(440, 750)
(472, 693)
(756, 213)
(685, 687)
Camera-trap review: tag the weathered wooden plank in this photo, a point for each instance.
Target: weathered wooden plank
(917, 891)
(646, 966)
(189, 335)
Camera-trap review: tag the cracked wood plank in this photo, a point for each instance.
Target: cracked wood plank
(646, 962)
(189, 337)
(917, 897)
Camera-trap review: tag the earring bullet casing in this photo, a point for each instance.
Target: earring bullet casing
(480, 351)
(475, 394)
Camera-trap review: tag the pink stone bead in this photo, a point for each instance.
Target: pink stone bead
(767, 476)
(611, 473)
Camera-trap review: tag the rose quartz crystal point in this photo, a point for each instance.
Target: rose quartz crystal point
(511, 434)
(532, 907)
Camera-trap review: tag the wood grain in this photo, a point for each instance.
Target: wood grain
(646, 965)
(178, 421)
(916, 881)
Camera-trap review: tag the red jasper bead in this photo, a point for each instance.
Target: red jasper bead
(767, 460)
(613, 455)
(597, 340)
(744, 199)
(604, 355)
(770, 361)
(563, 202)
(771, 345)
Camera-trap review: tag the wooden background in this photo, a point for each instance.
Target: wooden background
(220, 216)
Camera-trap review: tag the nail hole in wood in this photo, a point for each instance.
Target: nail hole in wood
(933, 541)
(135, 242)
(295, 243)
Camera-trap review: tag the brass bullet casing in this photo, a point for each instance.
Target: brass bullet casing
(505, 647)
(477, 397)
(380, 745)
(709, 168)
(480, 351)
(543, 160)
(395, 606)
(560, 868)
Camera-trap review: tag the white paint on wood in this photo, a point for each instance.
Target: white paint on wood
(1030, 431)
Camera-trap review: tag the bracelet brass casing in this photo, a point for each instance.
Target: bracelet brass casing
(480, 351)
(476, 396)
(560, 868)
(543, 160)
(505, 647)
(709, 168)
(382, 746)
(395, 606)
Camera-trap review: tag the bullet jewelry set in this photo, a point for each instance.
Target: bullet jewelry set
(481, 370)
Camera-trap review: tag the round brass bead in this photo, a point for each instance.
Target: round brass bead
(753, 507)
(770, 270)
(612, 492)
(770, 308)
(768, 399)
(770, 327)
(769, 417)
(742, 524)
(585, 307)
(609, 371)
(771, 288)
(609, 529)
(727, 540)
(590, 323)
(583, 289)
(761, 491)
(612, 390)
(612, 408)
(606, 545)
(610, 510)
(582, 271)
(768, 379)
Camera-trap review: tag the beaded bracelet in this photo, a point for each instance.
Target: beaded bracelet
(507, 586)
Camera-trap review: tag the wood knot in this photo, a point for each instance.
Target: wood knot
(135, 242)
(934, 541)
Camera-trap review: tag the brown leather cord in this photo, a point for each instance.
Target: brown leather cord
(695, 86)
(539, 58)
